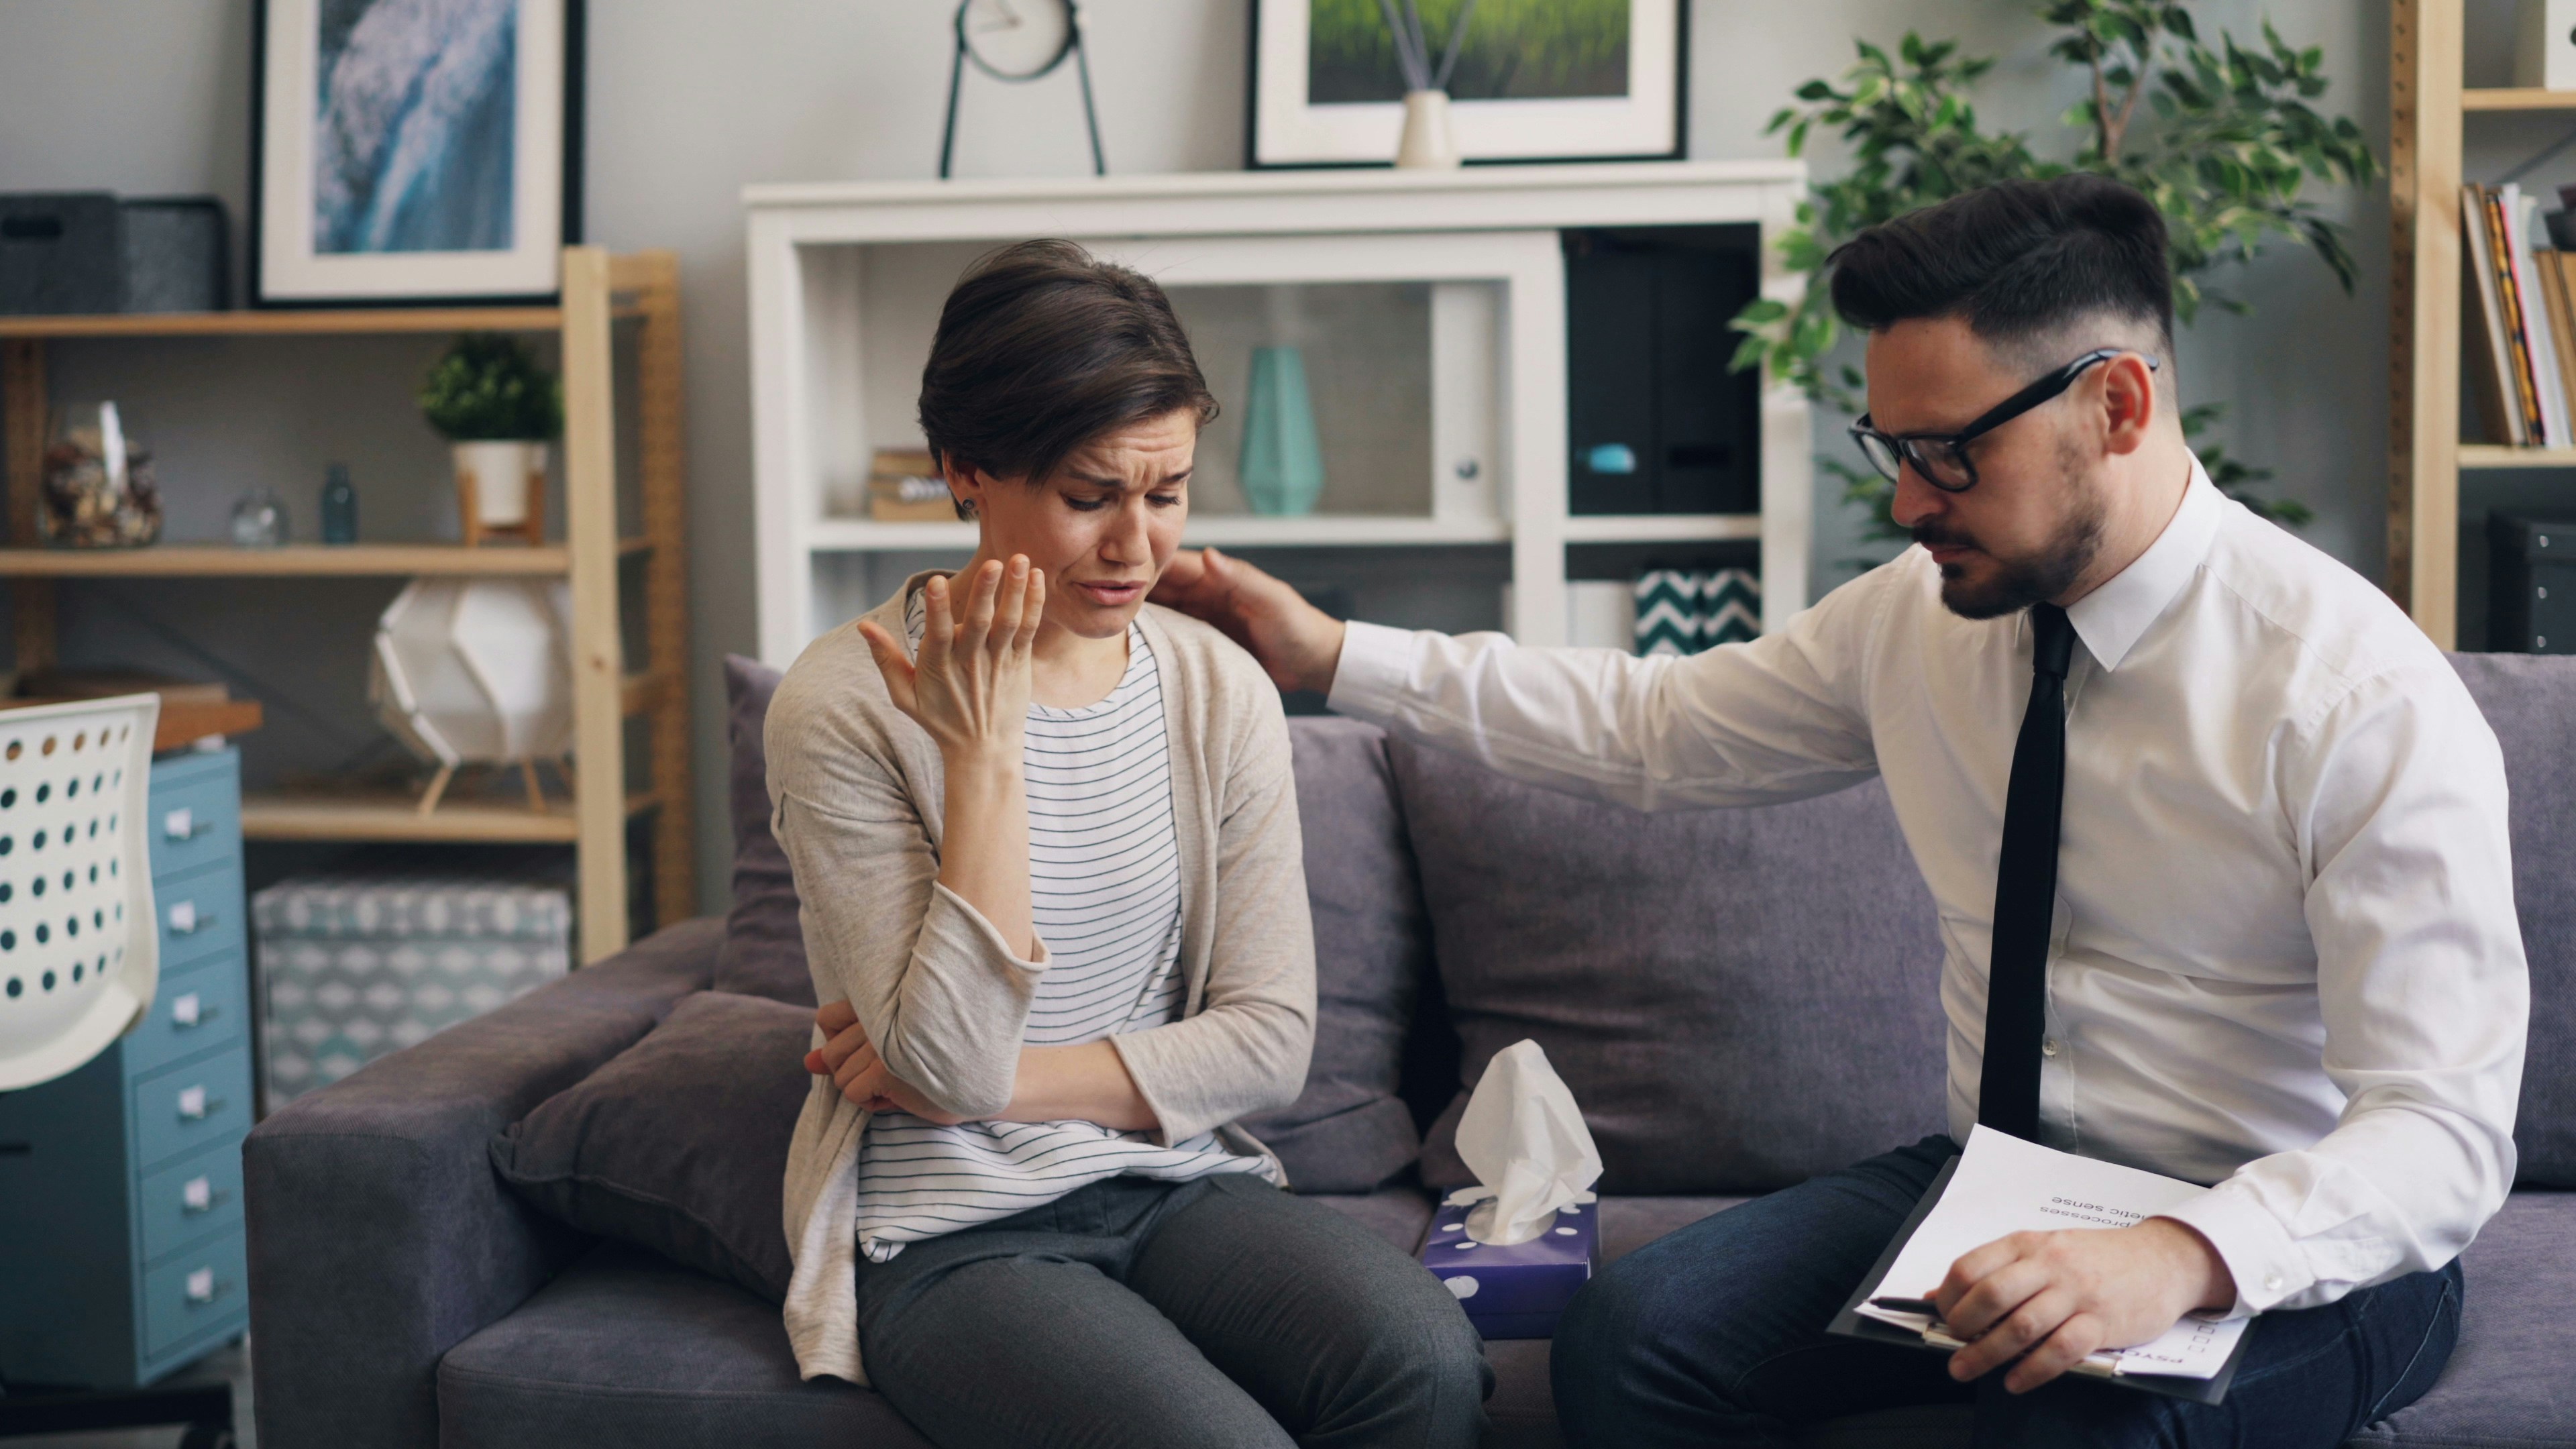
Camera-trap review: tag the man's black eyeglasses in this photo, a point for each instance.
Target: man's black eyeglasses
(1942, 458)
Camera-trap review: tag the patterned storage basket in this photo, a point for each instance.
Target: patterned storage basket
(357, 967)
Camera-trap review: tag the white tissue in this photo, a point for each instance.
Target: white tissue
(1525, 1140)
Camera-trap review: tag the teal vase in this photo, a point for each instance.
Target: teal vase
(1283, 461)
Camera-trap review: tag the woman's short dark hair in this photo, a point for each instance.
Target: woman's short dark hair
(1043, 347)
(2016, 261)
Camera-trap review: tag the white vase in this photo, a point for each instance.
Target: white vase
(1430, 143)
(503, 474)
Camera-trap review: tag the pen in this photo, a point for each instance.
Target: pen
(1924, 1306)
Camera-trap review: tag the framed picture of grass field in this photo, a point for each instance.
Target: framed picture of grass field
(1533, 80)
(413, 151)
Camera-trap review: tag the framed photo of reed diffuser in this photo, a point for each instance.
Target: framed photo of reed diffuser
(1333, 81)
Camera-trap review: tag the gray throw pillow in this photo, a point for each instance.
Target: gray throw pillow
(764, 944)
(679, 1143)
(2530, 702)
(1737, 998)
(1350, 1130)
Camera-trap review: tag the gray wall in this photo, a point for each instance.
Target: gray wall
(689, 101)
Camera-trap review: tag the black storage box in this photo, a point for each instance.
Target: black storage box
(61, 252)
(2531, 585)
(1656, 422)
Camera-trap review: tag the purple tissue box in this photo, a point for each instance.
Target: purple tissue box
(1515, 1292)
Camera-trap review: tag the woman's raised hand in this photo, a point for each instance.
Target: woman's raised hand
(970, 686)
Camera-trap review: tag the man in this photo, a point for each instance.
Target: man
(2267, 943)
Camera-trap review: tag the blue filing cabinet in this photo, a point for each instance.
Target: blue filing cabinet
(121, 1252)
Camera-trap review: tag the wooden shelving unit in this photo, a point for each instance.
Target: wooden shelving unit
(2428, 104)
(599, 292)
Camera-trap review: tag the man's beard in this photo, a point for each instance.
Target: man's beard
(2034, 578)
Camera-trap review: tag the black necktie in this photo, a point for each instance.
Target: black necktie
(2026, 888)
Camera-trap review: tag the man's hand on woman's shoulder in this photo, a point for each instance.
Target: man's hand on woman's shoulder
(1297, 643)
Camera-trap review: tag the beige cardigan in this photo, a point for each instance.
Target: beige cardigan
(855, 797)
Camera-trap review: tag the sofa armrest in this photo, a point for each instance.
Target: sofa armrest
(379, 1235)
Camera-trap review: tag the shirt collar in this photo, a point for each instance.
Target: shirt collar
(2110, 619)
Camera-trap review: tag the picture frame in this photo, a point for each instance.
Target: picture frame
(465, 194)
(1324, 89)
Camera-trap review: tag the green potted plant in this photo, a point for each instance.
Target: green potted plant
(498, 408)
(2223, 139)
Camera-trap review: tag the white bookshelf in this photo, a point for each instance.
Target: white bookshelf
(1433, 311)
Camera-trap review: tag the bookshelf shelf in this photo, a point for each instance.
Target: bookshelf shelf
(287, 322)
(302, 560)
(2478, 456)
(2517, 98)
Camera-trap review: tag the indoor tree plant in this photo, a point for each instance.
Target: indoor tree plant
(2222, 138)
(498, 407)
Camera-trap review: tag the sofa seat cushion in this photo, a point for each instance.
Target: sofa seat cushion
(679, 1143)
(625, 1348)
(1738, 999)
(2511, 1383)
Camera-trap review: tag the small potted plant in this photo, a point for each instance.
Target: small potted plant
(498, 406)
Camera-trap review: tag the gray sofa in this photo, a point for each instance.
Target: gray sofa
(1738, 998)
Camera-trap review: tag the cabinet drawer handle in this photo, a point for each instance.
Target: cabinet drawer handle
(196, 1106)
(187, 1012)
(197, 1195)
(184, 825)
(185, 920)
(202, 1286)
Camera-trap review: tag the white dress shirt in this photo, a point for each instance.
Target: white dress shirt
(2285, 959)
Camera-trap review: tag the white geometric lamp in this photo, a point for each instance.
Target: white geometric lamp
(79, 958)
(476, 671)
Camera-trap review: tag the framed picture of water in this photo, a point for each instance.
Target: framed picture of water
(1527, 80)
(413, 151)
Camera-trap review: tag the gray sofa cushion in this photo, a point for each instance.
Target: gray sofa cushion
(679, 1143)
(1738, 998)
(2509, 1381)
(764, 945)
(1350, 1130)
(629, 1350)
(2530, 701)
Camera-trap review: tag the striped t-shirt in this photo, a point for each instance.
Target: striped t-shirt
(1105, 887)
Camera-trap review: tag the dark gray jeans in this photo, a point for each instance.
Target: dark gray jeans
(1221, 1312)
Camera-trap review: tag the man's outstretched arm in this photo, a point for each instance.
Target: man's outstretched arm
(1778, 719)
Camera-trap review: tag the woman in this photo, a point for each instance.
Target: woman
(1054, 901)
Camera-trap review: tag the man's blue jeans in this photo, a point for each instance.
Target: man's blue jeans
(1715, 1335)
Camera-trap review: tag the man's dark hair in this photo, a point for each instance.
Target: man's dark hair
(2016, 261)
(1043, 347)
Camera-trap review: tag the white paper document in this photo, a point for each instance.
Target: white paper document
(2004, 1185)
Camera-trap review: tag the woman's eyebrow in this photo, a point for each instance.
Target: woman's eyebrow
(1097, 480)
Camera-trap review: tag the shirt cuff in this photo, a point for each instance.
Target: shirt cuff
(2260, 1253)
(1371, 672)
(986, 933)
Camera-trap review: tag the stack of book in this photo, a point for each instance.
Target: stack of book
(2522, 293)
(904, 486)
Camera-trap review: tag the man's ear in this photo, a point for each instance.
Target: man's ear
(2130, 407)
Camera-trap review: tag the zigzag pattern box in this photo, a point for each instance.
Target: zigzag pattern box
(1517, 1291)
(1681, 612)
(359, 967)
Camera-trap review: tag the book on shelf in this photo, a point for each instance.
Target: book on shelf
(2491, 370)
(2520, 294)
(904, 486)
(2525, 241)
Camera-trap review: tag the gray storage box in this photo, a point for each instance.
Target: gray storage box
(61, 252)
(178, 256)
